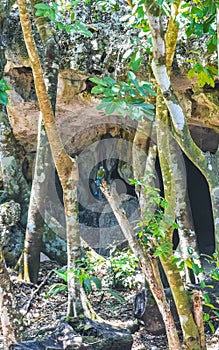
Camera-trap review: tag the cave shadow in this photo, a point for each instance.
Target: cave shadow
(201, 208)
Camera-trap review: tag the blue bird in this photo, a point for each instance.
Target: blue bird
(99, 177)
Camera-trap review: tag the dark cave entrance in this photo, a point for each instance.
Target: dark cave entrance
(200, 202)
(201, 208)
(91, 208)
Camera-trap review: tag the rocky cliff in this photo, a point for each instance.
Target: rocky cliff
(85, 131)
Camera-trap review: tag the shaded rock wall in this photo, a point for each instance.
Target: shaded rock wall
(93, 136)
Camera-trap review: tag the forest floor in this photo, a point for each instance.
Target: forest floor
(42, 314)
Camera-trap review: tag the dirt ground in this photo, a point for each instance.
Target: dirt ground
(42, 315)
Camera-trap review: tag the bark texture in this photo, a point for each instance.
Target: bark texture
(66, 166)
(43, 162)
(179, 125)
(169, 161)
(11, 320)
(148, 265)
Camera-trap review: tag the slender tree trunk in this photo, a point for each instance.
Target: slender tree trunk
(186, 232)
(141, 144)
(36, 212)
(54, 245)
(43, 163)
(179, 125)
(11, 320)
(187, 236)
(148, 265)
(189, 328)
(66, 166)
(197, 299)
(144, 155)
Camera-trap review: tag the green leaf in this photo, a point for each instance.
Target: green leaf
(115, 89)
(196, 269)
(211, 326)
(203, 284)
(215, 274)
(69, 27)
(148, 107)
(99, 89)
(108, 92)
(132, 77)
(42, 6)
(136, 101)
(87, 285)
(3, 85)
(98, 81)
(116, 296)
(160, 2)
(39, 13)
(60, 25)
(97, 281)
(109, 81)
(175, 260)
(110, 108)
(216, 313)
(206, 317)
(3, 98)
(55, 289)
(206, 298)
(62, 274)
(148, 87)
(188, 262)
(140, 12)
(212, 44)
(83, 29)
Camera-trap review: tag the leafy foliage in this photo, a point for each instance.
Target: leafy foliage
(155, 223)
(121, 269)
(201, 19)
(204, 74)
(127, 98)
(63, 16)
(136, 18)
(107, 5)
(3, 94)
(86, 274)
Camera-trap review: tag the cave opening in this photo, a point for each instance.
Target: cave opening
(201, 208)
(92, 208)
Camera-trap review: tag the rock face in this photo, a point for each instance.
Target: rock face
(86, 132)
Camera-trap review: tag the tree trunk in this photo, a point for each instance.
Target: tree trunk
(181, 132)
(66, 166)
(11, 320)
(43, 163)
(144, 155)
(36, 212)
(197, 299)
(148, 265)
(54, 242)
